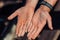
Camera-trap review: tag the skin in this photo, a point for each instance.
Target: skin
(25, 15)
(40, 18)
(33, 23)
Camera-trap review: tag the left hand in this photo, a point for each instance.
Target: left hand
(24, 16)
(38, 22)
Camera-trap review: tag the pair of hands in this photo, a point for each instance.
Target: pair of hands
(31, 22)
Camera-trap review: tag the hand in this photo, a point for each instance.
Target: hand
(24, 17)
(38, 22)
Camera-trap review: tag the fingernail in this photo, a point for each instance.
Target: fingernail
(51, 28)
(18, 35)
(9, 18)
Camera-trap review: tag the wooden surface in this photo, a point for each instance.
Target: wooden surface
(49, 35)
(46, 35)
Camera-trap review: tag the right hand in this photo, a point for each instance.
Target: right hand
(39, 20)
(24, 18)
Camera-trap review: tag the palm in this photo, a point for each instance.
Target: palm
(38, 22)
(24, 18)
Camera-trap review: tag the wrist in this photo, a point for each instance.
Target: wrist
(45, 8)
(47, 5)
(29, 6)
(31, 3)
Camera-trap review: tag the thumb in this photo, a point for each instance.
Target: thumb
(12, 16)
(49, 20)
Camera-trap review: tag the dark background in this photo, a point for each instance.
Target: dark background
(9, 9)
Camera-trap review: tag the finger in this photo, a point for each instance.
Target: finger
(20, 30)
(18, 26)
(30, 16)
(26, 25)
(29, 20)
(12, 16)
(50, 23)
(30, 26)
(24, 29)
(40, 27)
(34, 24)
(34, 31)
(49, 19)
(30, 31)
